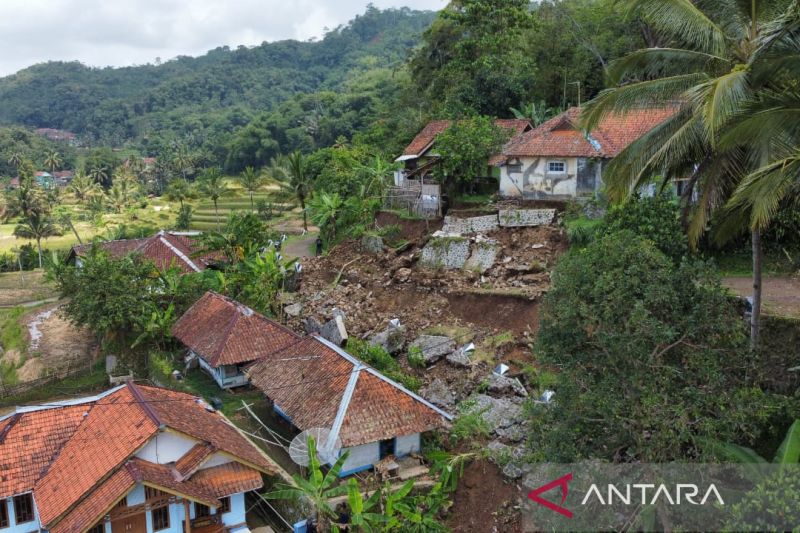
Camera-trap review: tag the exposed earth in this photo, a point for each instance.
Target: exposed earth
(371, 284)
(781, 294)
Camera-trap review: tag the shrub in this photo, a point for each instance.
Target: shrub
(654, 218)
(184, 220)
(415, 357)
(468, 423)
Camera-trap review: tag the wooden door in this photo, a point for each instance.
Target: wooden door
(135, 523)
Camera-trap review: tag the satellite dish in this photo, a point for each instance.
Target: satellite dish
(327, 452)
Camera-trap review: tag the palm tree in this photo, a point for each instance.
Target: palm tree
(212, 185)
(83, 187)
(294, 180)
(183, 162)
(707, 76)
(535, 112)
(26, 199)
(326, 210)
(36, 225)
(53, 161)
(15, 158)
(251, 180)
(121, 194)
(179, 191)
(100, 174)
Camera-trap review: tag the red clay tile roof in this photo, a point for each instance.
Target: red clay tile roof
(316, 384)
(161, 477)
(88, 512)
(29, 442)
(224, 332)
(561, 137)
(115, 428)
(163, 248)
(228, 478)
(69, 455)
(194, 419)
(425, 138)
(195, 457)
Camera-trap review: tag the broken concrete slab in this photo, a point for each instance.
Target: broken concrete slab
(438, 393)
(504, 418)
(433, 347)
(293, 310)
(459, 358)
(335, 331)
(517, 218)
(372, 244)
(391, 339)
(505, 385)
(449, 252)
(483, 256)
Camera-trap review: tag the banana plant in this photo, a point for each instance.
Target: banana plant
(788, 452)
(318, 489)
(361, 516)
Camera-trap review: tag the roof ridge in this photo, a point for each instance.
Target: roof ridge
(224, 337)
(145, 406)
(180, 254)
(357, 362)
(344, 404)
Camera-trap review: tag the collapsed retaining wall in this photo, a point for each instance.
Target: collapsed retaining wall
(445, 251)
(471, 225)
(515, 218)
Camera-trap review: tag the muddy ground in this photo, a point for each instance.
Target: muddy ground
(781, 294)
(54, 344)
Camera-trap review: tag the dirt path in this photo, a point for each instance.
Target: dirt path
(781, 293)
(300, 247)
(54, 343)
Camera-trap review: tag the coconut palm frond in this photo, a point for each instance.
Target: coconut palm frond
(639, 94)
(650, 62)
(762, 192)
(721, 99)
(684, 21)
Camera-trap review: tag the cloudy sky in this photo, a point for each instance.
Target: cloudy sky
(127, 32)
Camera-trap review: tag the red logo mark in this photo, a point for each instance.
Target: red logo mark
(562, 482)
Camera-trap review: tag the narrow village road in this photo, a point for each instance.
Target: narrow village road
(781, 293)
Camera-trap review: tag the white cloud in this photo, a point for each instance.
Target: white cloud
(129, 32)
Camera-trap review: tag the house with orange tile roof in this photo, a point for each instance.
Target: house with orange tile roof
(135, 459)
(225, 336)
(420, 154)
(558, 160)
(165, 249)
(314, 384)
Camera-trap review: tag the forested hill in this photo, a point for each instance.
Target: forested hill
(209, 95)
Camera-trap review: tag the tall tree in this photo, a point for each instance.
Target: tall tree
(180, 191)
(83, 187)
(212, 185)
(53, 161)
(36, 225)
(706, 73)
(15, 158)
(295, 180)
(252, 181)
(472, 59)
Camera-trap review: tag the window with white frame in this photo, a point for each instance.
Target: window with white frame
(556, 167)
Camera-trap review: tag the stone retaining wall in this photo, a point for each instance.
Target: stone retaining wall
(471, 225)
(515, 218)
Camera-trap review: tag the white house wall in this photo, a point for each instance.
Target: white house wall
(407, 445)
(166, 447)
(216, 460)
(533, 178)
(25, 527)
(361, 457)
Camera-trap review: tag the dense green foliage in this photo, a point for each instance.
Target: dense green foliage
(651, 356)
(654, 218)
(465, 147)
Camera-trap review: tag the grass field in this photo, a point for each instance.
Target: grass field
(161, 214)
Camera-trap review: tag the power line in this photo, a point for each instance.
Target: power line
(329, 377)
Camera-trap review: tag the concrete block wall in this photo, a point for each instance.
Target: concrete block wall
(470, 225)
(445, 252)
(515, 218)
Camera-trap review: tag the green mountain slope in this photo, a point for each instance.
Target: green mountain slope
(216, 93)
